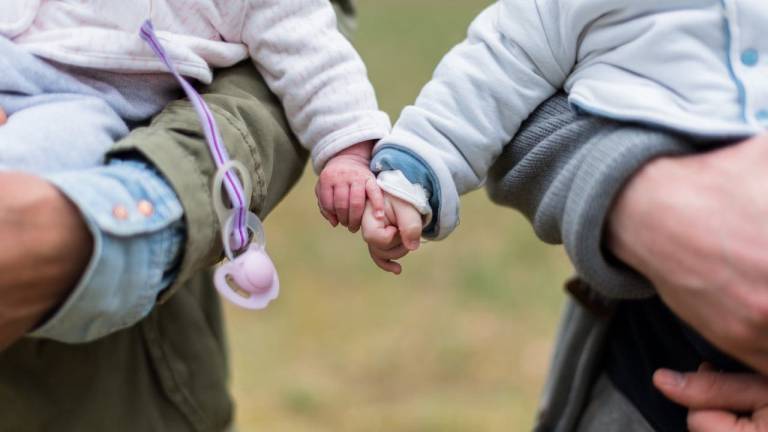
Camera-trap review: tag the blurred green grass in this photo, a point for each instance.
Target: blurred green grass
(460, 342)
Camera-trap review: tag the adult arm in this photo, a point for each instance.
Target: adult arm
(637, 221)
(706, 254)
(37, 225)
(564, 171)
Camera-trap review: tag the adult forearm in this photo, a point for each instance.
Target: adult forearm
(695, 226)
(46, 247)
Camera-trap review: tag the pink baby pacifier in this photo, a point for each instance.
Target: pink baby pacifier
(248, 280)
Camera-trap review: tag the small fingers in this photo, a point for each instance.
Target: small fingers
(408, 223)
(341, 203)
(394, 253)
(384, 264)
(356, 205)
(381, 237)
(375, 196)
(324, 193)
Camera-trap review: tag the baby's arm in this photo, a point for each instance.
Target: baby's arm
(479, 95)
(324, 88)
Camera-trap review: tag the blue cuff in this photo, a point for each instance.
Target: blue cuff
(416, 171)
(136, 221)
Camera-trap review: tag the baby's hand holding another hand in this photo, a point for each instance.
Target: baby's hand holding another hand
(393, 236)
(344, 184)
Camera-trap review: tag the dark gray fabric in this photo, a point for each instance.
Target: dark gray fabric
(610, 411)
(563, 171)
(575, 364)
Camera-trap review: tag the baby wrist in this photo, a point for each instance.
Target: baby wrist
(362, 150)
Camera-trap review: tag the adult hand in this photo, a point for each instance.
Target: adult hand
(3, 117)
(715, 400)
(45, 249)
(697, 227)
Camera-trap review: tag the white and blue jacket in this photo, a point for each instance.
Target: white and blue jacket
(699, 67)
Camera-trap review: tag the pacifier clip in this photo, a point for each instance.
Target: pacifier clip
(249, 279)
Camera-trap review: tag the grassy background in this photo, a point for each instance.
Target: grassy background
(459, 342)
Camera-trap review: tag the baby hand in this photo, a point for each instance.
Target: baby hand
(394, 236)
(344, 184)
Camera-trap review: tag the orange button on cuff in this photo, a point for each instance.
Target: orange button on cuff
(146, 208)
(120, 212)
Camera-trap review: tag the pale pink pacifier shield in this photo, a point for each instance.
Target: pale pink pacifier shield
(258, 272)
(250, 280)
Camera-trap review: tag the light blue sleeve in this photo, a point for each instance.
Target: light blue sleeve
(392, 157)
(136, 221)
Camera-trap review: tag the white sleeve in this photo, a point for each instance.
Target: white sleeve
(395, 183)
(316, 73)
(479, 95)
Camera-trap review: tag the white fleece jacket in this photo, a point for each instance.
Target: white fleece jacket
(295, 44)
(695, 66)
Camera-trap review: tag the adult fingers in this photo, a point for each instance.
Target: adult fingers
(713, 391)
(324, 193)
(356, 205)
(384, 264)
(341, 203)
(375, 197)
(718, 421)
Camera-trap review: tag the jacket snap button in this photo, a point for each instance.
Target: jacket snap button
(146, 208)
(120, 212)
(750, 57)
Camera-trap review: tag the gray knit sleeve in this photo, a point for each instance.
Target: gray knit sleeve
(563, 171)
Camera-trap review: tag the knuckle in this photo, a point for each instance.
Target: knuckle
(708, 387)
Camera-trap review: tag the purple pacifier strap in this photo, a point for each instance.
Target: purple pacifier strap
(212, 136)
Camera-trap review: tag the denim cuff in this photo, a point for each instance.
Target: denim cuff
(137, 225)
(417, 172)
